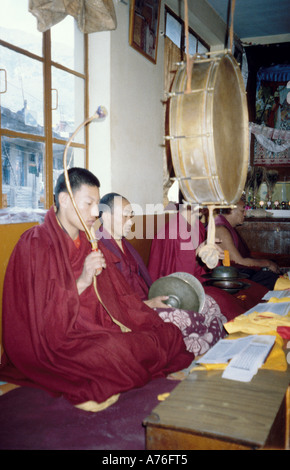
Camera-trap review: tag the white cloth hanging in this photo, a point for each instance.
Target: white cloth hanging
(270, 145)
(91, 15)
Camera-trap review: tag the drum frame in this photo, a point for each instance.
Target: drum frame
(194, 133)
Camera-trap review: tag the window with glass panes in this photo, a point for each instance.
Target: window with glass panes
(43, 98)
(175, 31)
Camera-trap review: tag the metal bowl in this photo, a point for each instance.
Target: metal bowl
(225, 272)
(228, 285)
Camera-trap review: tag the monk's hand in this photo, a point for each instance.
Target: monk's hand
(274, 267)
(93, 266)
(157, 302)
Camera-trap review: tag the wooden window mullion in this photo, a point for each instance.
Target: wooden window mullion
(48, 157)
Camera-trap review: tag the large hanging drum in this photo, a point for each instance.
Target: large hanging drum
(209, 135)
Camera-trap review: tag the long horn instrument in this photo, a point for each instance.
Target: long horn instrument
(99, 114)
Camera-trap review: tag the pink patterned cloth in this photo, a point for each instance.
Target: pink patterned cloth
(200, 331)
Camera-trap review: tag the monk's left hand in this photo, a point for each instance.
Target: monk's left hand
(157, 302)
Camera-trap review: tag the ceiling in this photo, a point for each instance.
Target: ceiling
(257, 21)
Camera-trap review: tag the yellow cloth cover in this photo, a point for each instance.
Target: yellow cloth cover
(257, 323)
(283, 299)
(282, 283)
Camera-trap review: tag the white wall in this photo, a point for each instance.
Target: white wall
(126, 149)
(136, 117)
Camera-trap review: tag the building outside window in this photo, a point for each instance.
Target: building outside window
(43, 98)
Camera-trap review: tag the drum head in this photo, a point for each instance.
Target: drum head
(209, 135)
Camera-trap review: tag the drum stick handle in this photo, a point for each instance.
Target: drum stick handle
(233, 2)
(189, 61)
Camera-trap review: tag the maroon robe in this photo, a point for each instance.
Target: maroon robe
(171, 254)
(66, 343)
(129, 263)
(238, 241)
(174, 249)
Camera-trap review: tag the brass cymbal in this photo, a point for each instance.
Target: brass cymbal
(183, 289)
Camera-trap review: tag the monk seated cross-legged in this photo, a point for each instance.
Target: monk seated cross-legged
(262, 271)
(71, 323)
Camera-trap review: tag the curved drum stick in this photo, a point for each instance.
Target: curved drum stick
(99, 114)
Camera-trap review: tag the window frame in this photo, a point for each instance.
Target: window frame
(47, 139)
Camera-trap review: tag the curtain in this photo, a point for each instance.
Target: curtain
(91, 15)
(172, 55)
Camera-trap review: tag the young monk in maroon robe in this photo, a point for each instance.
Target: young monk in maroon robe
(200, 330)
(71, 325)
(171, 254)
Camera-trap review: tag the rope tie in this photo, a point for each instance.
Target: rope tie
(209, 253)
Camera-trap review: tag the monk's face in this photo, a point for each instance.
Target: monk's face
(127, 217)
(119, 222)
(238, 214)
(87, 199)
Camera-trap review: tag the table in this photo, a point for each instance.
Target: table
(206, 411)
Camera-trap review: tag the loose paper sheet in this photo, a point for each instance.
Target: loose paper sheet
(280, 308)
(278, 294)
(246, 355)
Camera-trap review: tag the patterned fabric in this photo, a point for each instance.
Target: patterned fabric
(200, 331)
